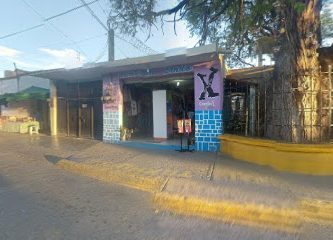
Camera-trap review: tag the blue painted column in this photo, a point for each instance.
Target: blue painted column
(208, 86)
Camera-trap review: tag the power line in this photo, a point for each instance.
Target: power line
(45, 20)
(94, 15)
(70, 10)
(123, 53)
(100, 6)
(53, 26)
(102, 52)
(22, 31)
(77, 41)
(138, 44)
(135, 42)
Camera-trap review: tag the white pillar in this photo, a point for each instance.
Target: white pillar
(252, 111)
(53, 109)
(160, 114)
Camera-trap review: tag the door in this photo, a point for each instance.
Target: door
(86, 120)
(72, 124)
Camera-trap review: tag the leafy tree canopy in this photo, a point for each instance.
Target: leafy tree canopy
(243, 26)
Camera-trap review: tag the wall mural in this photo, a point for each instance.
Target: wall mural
(111, 94)
(208, 86)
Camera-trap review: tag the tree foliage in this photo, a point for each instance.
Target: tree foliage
(243, 26)
(290, 29)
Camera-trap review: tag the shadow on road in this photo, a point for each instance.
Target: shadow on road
(53, 159)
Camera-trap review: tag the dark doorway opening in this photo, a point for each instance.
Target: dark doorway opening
(86, 120)
(138, 117)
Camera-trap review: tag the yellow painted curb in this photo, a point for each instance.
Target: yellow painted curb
(296, 158)
(282, 219)
(287, 220)
(137, 181)
(317, 211)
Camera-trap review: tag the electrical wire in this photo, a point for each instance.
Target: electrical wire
(94, 15)
(105, 13)
(135, 42)
(22, 31)
(138, 44)
(123, 53)
(102, 52)
(54, 27)
(45, 20)
(77, 41)
(70, 10)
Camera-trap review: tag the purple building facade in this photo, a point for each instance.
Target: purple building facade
(208, 99)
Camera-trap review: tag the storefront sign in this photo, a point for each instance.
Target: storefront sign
(184, 125)
(188, 126)
(208, 86)
(180, 124)
(156, 71)
(179, 69)
(111, 94)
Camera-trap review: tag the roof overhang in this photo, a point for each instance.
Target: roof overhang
(249, 74)
(94, 72)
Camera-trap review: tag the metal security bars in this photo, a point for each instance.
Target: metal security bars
(267, 108)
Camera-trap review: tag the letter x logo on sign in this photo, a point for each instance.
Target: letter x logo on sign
(207, 87)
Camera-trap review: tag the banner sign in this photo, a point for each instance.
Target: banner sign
(208, 81)
(188, 126)
(180, 124)
(111, 94)
(184, 125)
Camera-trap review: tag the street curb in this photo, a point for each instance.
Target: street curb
(286, 220)
(147, 184)
(281, 219)
(317, 211)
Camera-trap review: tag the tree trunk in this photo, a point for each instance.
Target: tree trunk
(295, 106)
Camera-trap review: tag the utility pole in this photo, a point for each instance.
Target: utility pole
(110, 42)
(17, 77)
(107, 28)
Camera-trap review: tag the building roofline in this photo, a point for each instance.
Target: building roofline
(26, 73)
(96, 71)
(249, 73)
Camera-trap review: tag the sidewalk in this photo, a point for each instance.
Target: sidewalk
(210, 168)
(199, 184)
(212, 186)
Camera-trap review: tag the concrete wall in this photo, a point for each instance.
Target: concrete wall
(316, 159)
(160, 114)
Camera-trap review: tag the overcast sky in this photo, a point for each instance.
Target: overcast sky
(51, 46)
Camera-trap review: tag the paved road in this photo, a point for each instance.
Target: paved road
(40, 201)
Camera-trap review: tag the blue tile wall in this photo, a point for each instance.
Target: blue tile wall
(208, 126)
(111, 130)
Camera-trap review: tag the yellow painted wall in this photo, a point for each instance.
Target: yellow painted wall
(298, 158)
